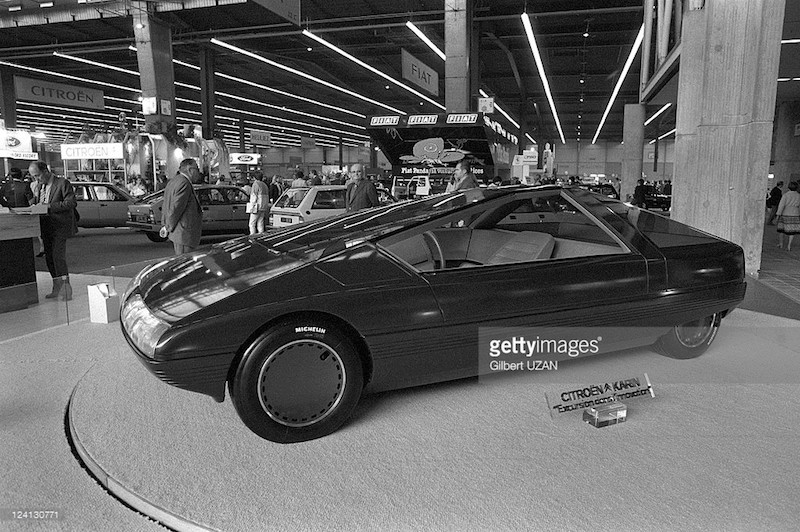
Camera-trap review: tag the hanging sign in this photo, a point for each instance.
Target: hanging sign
(419, 73)
(36, 90)
(106, 150)
(260, 138)
(245, 158)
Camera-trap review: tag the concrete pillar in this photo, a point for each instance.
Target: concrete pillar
(207, 92)
(633, 148)
(157, 77)
(726, 103)
(457, 43)
(786, 166)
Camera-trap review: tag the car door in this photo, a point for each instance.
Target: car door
(240, 219)
(88, 208)
(112, 205)
(535, 260)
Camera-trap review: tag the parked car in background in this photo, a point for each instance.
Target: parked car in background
(298, 205)
(224, 211)
(606, 189)
(101, 204)
(655, 200)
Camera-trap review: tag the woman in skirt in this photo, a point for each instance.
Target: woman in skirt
(788, 214)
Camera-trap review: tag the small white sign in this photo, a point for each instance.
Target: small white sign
(24, 155)
(384, 120)
(419, 73)
(307, 143)
(149, 105)
(486, 105)
(166, 107)
(15, 140)
(468, 118)
(416, 120)
(108, 150)
(245, 158)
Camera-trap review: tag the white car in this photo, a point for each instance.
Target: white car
(298, 205)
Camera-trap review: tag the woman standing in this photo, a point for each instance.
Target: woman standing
(259, 203)
(788, 214)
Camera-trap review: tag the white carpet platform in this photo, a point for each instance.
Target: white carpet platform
(716, 449)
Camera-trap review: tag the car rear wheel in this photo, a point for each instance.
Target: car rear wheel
(691, 339)
(155, 237)
(298, 381)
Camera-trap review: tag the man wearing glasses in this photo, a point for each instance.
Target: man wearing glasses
(361, 193)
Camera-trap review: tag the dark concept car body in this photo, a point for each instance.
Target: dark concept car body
(299, 321)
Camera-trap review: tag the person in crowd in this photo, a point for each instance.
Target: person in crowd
(138, 188)
(56, 226)
(35, 185)
(15, 191)
(161, 180)
(361, 193)
(464, 178)
(668, 187)
(337, 179)
(275, 189)
(788, 213)
(618, 187)
(182, 216)
(314, 179)
(773, 201)
(638, 194)
(299, 180)
(259, 203)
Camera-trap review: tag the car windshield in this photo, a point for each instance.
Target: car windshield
(292, 198)
(355, 227)
(150, 198)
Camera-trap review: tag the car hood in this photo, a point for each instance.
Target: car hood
(180, 286)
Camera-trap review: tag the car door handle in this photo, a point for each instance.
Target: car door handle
(205, 208)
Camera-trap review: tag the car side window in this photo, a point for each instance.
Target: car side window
(528, 227)
(237, 196)
(82, 193)
(104, 193)
(211, 196)
(329, 199)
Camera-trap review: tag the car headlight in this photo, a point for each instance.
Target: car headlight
(144, 328)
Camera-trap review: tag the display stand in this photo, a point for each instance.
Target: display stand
(18, 287)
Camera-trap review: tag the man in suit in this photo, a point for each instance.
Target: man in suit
(361, 193)
(182, 216)
(56, 226)
(464, 178)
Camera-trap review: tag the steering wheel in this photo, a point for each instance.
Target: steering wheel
(433, 244)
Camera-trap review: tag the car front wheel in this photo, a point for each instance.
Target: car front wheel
(691, 339)
(298, 381)
(155, 237)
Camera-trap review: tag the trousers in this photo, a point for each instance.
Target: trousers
(55, 253)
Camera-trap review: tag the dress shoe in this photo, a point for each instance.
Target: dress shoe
(58, 282)
(40, 254)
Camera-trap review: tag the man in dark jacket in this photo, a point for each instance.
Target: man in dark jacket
(639, 194)
(182, 216)
(56, 226)
(361, 193)
(16, 192)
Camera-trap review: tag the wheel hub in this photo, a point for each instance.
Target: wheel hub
(301, 383)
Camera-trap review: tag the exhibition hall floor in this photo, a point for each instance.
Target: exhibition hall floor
(89, 433)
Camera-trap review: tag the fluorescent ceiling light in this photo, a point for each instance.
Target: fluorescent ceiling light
(425, 39)
(303, 75)
(637, 43)
(67, 76)
(15, 8)
(667, 134)
(784, 41)
(46, 4)
(95, 63)
(502, 112)
(526, 21)
(530, 138)
(657, 113)
(372, 69)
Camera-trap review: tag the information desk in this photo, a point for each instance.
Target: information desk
(18, 287)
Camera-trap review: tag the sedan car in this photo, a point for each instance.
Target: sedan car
(101, 204)
(223, 211)
(303, 204)
(299, 322)
(653, 199)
